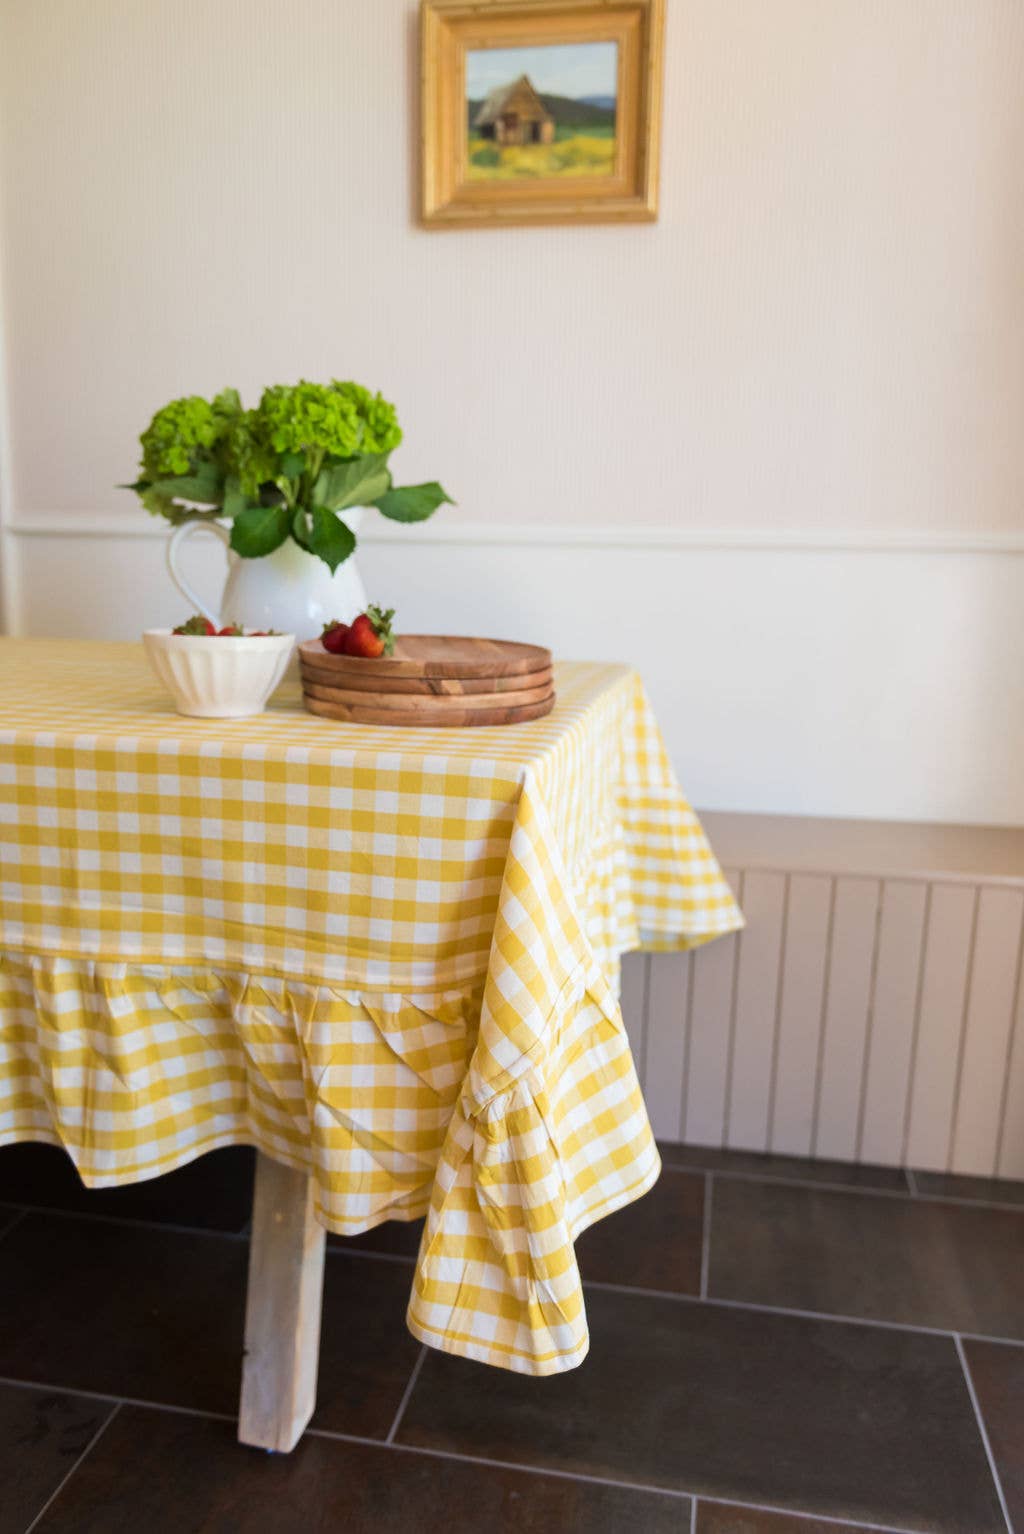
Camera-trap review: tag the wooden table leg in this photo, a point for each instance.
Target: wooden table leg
(282, 1311)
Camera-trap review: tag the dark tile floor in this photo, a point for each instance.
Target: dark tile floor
(776, 1348)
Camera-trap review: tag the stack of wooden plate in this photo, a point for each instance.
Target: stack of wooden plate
(431, 679)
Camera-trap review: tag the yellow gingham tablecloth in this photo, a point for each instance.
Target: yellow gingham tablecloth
(388, 957)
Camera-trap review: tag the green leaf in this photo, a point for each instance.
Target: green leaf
(412, 503)
(300, 528)
(331, 539)
(205, 485)
(356, 482)
(260, 530)
(293, 465)
(235, 498)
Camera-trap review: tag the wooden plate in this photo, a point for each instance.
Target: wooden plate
(436, 655)
(446, 715)
(418, 702)
(370, 680)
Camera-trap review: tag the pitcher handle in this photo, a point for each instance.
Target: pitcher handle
(177, 538)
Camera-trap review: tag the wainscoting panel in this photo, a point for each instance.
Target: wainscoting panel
(856, 1018)
(709, 1030)
(755, 1019)
(947, 965)
(809, 914)
(668, 996)
(891, 1044)
(1010, 1153)
(988, 1030)
(847, 1009)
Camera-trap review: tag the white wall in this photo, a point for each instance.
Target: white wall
(785, 421)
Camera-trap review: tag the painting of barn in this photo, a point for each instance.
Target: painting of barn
(515, 114)
(543, 111)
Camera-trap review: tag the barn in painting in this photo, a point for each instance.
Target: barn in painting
(515, 114)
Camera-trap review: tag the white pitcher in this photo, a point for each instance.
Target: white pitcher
(290, 591)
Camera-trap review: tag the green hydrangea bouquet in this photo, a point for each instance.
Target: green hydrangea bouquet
(284, 470)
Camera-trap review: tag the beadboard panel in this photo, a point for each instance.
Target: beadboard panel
(987, 1032)
(948, 953)
(843, 1042)
(858, 1019)
(902, 905)
(756, 1010)
(809, 917)
(709, 1032)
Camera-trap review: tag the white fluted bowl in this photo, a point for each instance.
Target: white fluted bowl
(218, 678)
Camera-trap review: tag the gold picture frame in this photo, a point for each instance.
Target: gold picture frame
(540, 111)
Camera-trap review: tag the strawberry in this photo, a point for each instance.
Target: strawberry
(232, 631)
(370, 634)
(197, 625)
(334, 636)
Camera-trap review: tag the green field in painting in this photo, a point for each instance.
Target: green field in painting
(583, 151)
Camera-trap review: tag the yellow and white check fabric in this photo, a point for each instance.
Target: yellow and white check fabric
(388, 957)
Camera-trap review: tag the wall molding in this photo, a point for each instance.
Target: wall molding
(62, 524)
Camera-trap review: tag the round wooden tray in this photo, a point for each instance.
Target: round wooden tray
(447, 714)
(435, 655)
(419, 703)
(370, 680)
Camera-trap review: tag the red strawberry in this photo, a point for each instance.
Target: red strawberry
(370, 634)
(334, 636)
(231, 631)
(197, 625)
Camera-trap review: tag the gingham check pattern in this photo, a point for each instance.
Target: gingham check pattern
(388, 957)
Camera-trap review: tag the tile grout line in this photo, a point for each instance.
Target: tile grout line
(99, 1395)
(407, 1392)
(433, 1453)
(93, 1441)
(130, 1221)
(958, 1202)
(833, 1317)
(19, 1215)
(678, 1493)
(803, 1516)
(705, 1245)
(501, 1464)
(982, 1429)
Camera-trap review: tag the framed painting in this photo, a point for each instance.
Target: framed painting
(540, 111)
